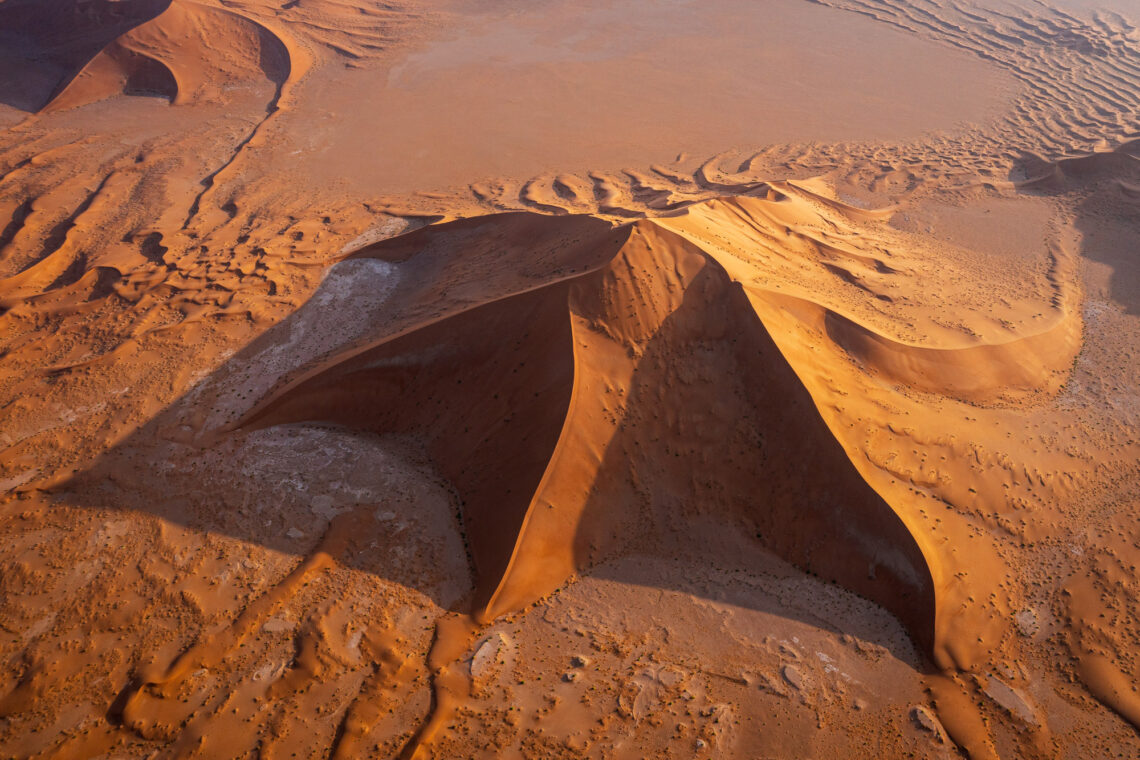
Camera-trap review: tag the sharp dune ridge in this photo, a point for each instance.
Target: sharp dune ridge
(787, 450)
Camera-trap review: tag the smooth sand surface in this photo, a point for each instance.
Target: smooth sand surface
(620, 380)
(510, 93)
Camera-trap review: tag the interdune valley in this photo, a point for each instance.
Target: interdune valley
(570, 379)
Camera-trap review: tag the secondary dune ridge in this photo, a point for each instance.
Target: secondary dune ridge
(944, 387)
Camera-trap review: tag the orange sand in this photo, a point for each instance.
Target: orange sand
(606, 379)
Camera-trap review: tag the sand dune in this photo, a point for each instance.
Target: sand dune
(595, 349)
(48, 43)
(619, 315)
(172, 55)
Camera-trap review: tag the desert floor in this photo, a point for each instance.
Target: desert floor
(571, 378)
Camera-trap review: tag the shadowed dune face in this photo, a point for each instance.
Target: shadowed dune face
(609, 412)
(486, 391)
(717, 428)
